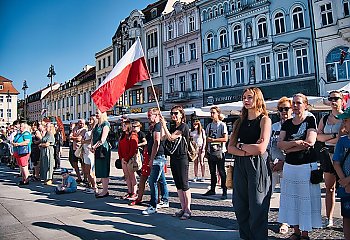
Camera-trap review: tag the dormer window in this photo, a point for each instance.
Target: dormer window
(1, 87)
(154, 13)
(135, 24)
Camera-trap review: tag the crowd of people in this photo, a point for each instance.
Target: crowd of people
(265, 154)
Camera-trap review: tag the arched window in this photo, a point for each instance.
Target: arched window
(298, 18)
(221, 9)
(215, 11)
(279, 23)
(170, 31)
(226, 8)
(210, 42)
(262, 28)
(210, 13)
(204, 15)
(223, 38)
(237, 35)
(337, 66)
(135, 24)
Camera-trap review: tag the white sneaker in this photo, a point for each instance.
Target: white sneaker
(328, 223)
(200, 179)
(194, 179)
(150, 210)
(163, 204)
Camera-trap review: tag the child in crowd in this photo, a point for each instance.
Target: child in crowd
(69, 185)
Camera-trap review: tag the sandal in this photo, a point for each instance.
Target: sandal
(179, 213)
(284, 228)
(125, 196)
(294, 236)
(185, 216)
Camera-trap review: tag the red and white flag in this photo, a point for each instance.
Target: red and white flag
(129, 70)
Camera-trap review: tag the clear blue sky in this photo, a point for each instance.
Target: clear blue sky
(65, 33)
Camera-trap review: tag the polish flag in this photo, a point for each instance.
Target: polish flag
(129, 70)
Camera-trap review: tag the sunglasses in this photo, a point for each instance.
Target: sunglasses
(174, 113)
(136, 126)
(281, 109)
(333, 99)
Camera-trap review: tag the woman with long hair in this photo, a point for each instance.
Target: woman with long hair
(22, 138)
(300, 203)
(199, 137)
(179, 159)
(35, 154)
(47, 158)
(89, 157)
(102, 150)
(127, 149)
(252, 174)
(327, 133)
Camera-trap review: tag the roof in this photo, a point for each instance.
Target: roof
(7, 86)
(159, 5)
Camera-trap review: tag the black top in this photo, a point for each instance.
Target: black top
(298, 132)
(150, 140)
(141, 135)
(249, 132)
(182, 149)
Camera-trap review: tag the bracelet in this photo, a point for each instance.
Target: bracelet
(334, 135)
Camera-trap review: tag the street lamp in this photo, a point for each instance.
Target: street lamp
(8, 106)
(50, 75)
(24, 88)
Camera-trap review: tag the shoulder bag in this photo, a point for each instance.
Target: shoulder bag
(135, 162)
(22, 150)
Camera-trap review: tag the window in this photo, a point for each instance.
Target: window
(58, 104)
(109, 61)
(282, 61)
(301, 60)
(265, 68)
(225, 79)
(154, 13)
(346, 6)
(67, 101)
(171, 58)
(152, 39)
(279, 23)
(78, 99)
(90, 113)
(180, 30)
(9, 113)
(150, 94)
(223, 38)
(211, 76)
(8, 98)
(1, 87)
(1, 99)
(136, 97)
(194, 81)
(104, 63)
(181, 54)
(170, 32)
(71, 101)
(99, 81)
(326, 14)
(62, 102)
(221, 10)
(90, 99)
(193, 51)
(84, 97)
(239, 72)
(298, 18)
(99, 65)
(79, 115)
(235, 4)
(204, 15)
(215, 11)
(237, 35)
(210, 14)
(1, 113)
(171, 85)
(262, 28)
(335, 70)
(210, 42)
(85, 116)
(191, 26)
(182, 83)
(153, 64)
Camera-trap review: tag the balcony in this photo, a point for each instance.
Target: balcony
(183, 96)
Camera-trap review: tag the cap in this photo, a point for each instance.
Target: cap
(344, 115)
(64, 170)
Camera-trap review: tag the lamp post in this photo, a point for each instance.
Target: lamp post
(8, 106)
(24, 88)
(50, 75)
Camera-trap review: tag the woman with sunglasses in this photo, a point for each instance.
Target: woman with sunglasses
(179, 159)
(327, 133)
(276, 156)
(199, 137)
(252, 175)
(300, 203)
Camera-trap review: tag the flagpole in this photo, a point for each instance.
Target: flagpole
(154, 92)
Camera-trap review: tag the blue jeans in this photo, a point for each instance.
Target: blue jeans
(157, 174)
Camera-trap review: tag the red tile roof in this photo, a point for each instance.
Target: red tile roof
(7, 86)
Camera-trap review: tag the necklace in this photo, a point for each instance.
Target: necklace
(250, 122)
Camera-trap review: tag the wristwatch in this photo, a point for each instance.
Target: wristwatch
(240, 145)
(334, 135)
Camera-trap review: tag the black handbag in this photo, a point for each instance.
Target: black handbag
(118, 164)
(100, 152)
(316, 176)
(23, 150)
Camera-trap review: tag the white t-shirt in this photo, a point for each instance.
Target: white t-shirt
(198, 138)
